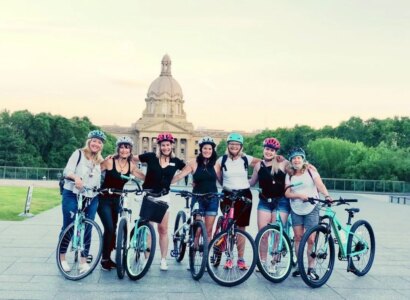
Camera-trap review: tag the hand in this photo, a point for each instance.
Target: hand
(78, 183)
(280, 158)
(328, 198)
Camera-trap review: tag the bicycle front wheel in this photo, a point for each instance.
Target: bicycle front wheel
(198, 250)
(216, 255)
(234, 248)
(316, 256)
(361, 247)
(76, 247)
(121, 247)
(179, 237)
(141, 251)
(274, 253)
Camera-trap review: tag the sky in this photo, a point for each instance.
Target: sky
(242, 65)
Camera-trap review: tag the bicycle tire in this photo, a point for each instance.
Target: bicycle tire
(216, 258)
(72, 255)
(354, 262)
(231, 276)
(198, 249)
(179, 238)
(273, 263)
(121, 247)
(323, 252)
(141, 251)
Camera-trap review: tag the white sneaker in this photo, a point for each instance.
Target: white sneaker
(65, 266)
(84, 268)
(163, 265)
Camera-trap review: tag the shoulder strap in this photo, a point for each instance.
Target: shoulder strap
(79, 157)
(311, 176)
(223, 163)
(245, 162)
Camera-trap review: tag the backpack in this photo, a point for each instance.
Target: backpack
(223, 164)
(62, 179)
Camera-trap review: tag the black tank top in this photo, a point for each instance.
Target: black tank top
(204, 180)
(266, 179)
(113, 180)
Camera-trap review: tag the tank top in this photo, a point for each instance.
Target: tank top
(266, 179)
(113, 180)
(204, 180)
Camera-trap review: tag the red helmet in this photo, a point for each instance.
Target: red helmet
(165, 137)
(271, 143)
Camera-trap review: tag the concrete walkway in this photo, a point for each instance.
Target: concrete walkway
(28, 268)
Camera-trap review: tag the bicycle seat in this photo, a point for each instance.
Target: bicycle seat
(352, 210)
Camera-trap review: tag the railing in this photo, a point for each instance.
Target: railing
(355, 185)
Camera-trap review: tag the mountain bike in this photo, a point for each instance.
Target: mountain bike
(225, 243)
(316, 253)
(275, 249)
(191, 232)
(80, 242)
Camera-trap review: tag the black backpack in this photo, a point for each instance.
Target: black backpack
(223, 164)
(62, 179)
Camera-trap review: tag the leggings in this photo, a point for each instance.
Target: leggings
(108, 210)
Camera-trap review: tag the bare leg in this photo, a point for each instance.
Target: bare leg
(163, 235)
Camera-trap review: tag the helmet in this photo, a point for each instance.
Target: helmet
(165, 137)
(235, 137)
(207, 140)
(124, 140)
(98, 134)
(271, 143)
(297, 152)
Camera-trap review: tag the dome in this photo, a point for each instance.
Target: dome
(165, 86)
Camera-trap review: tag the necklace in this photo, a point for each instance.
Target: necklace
(122, 167)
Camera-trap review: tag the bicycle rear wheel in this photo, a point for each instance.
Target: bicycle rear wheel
(361, 239)
(198, 250)
(316, 261)
(141, 251)
(274, 259)
(76, 254)
(179, 237)
(121, 247)
(231, 273)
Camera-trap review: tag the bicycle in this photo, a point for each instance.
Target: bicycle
(275, 248)
(124, 224)
(356, 245)
(80, 242)
(226, 237)
(191, 232)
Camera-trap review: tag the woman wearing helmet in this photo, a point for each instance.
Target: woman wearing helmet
(304, 214)
(82, 170)
(161, 168)
(108, 208)
(232, 173)
(204, 179)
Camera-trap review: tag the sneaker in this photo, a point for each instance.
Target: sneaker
(296, 273)
(108, 264)
(84, 268)
(89, 258)
(65, 266)
(163, 265)
(312, 274)
(228, 264)
(242, 265)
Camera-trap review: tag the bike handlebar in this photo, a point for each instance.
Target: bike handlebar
(340, 201)
(235, 195)
(184, 193)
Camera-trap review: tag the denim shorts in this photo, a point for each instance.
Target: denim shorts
(283, 205)
(208, 207)
(307, 221)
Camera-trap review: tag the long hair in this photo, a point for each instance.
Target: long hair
(240, 153)
(292, 171)
(97, 157)
(200, 159)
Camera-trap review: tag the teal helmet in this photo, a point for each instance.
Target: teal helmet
(235, 137)
(97, 134)
(297, 152)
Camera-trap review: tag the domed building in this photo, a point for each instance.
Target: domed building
(164, 111)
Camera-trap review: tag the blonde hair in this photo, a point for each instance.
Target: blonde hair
(97, 157)
(158, 151)
(291, 170)
(275, 166)
(241, 153)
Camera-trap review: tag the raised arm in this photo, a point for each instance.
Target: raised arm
(189, 168)
(254, 179)
(137, 172)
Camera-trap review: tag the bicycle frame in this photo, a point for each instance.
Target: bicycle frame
(79, 228)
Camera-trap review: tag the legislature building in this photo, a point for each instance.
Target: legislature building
(164, 111)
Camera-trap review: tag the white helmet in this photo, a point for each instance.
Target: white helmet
(124, 140)
(207, 140)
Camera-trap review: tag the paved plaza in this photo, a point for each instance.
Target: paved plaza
(28, 269)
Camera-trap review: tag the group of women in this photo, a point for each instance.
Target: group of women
(273, 173)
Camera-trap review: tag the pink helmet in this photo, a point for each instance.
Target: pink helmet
(165, 137)
(271, 143)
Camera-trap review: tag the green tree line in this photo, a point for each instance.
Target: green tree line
(356, 149)
(43, 140)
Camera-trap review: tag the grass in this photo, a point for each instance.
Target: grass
(13, 200)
